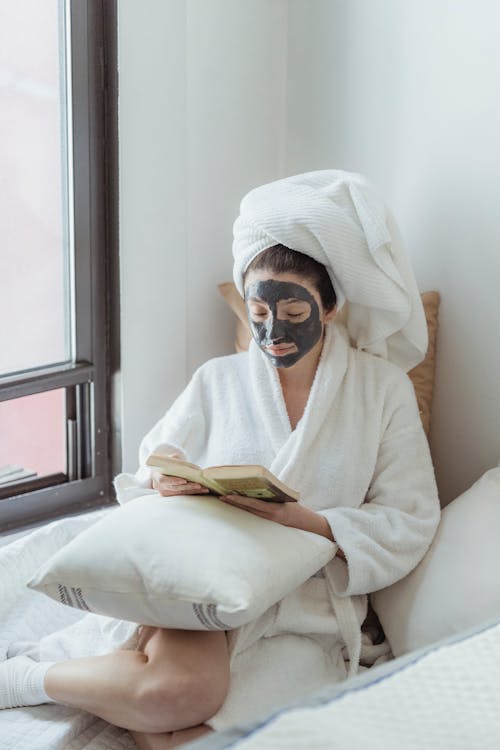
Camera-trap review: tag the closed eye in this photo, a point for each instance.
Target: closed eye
(294, 310)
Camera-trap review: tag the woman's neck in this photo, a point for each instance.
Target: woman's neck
(300, 376)
(296, 383)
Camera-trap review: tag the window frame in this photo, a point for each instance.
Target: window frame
(93, 71)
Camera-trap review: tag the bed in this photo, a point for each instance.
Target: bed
(446, 696)
(443, 696)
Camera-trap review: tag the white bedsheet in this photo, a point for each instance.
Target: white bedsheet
(27, 615)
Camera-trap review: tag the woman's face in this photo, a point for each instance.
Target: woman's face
(286, 315)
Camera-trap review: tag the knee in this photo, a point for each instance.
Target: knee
(169, 701)
(201, 699)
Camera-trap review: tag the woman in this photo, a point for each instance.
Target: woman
(332, 420)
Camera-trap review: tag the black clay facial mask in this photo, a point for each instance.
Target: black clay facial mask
(277, 327)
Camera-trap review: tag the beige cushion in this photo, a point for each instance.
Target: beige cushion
(235, 301)
(422, 375)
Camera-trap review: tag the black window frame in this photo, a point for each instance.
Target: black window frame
(93, 71)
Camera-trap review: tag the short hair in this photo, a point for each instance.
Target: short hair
(281, 259)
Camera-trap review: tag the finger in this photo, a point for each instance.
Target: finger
(188, 489)
(253, 502)
(172, 480)
(161, 480)
(238, 502)
(260, 513)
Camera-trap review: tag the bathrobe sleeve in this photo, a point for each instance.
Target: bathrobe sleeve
(387, 536)
(181, 430)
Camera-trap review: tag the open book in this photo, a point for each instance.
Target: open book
(249, 480)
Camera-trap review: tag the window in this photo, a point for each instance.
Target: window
(58, 254)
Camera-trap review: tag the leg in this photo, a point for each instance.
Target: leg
(170, 740)
(178, 679)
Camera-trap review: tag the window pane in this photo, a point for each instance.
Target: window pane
(33, 435)
(34, 255)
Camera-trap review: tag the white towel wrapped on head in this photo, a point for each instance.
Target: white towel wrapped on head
(337, 218)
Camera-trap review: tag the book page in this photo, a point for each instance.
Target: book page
(258, 487)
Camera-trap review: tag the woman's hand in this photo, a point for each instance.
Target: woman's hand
(169, 486)
(287, 514)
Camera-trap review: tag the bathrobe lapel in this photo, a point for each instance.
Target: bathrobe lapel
(268, 400)
(292, 447)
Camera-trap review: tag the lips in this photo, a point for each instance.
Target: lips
(281, 349)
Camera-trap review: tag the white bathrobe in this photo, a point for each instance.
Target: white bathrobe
(359, 456)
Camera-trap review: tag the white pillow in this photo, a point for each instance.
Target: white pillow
(457, 584)
(187, 562)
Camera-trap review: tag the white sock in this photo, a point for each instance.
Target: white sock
(22, 682)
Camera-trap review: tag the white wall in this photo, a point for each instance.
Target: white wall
(153, 180)
(407, 93)
(201, 109)
(236, 79)
(219, 96)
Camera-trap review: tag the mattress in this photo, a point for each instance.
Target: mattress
(443, 697)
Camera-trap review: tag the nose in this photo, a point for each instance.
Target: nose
(275, 329)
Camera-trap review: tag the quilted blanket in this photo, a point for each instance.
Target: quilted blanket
(443, 697)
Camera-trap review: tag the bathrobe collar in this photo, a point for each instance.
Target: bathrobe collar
(290, 445)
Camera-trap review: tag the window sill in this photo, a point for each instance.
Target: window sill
(12, 535)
